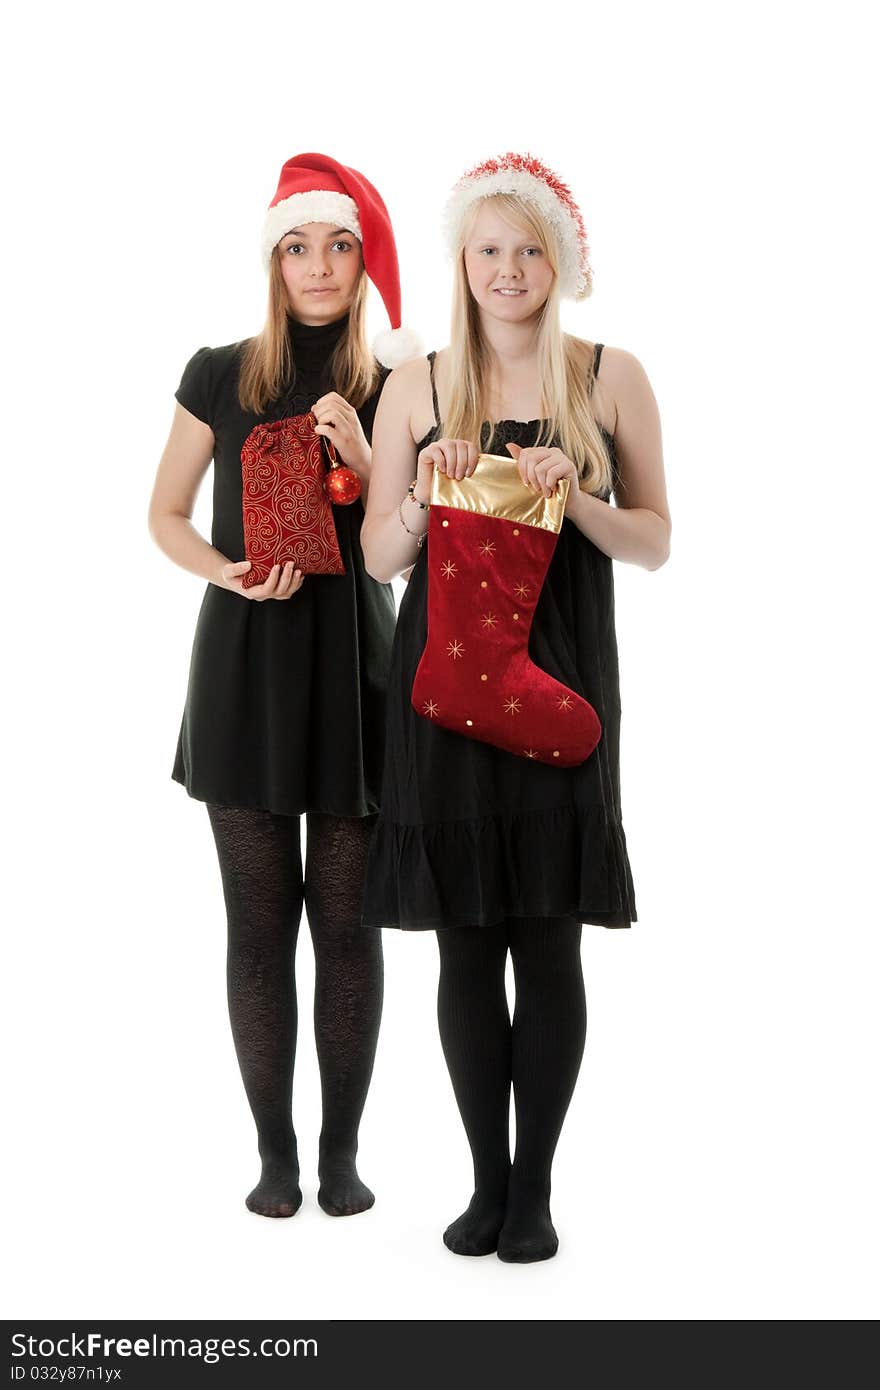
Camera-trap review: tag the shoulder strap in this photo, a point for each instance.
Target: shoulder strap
(431, 356)
(597, 358)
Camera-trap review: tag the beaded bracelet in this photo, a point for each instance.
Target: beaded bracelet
(425, 506)
(419, 535)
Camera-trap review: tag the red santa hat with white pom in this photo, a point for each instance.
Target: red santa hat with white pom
(315, 188)
(527, 178)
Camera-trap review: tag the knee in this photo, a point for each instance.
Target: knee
(343, 939)
(546, 945)
(258, 928)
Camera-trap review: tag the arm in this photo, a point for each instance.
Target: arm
(182, 467)
(389, 545)
(388, 548)
(638, 528)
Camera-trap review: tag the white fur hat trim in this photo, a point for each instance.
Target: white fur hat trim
(575, 278)
(318, 205)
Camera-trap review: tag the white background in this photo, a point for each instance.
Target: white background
(719, 1160)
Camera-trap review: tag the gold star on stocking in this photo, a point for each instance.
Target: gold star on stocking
(455, 650)
(530, 752)
(487, 548)
(489, 621)
(565, 702)
(522, 591)
(512, 705)
(448, 569)
(430, 709)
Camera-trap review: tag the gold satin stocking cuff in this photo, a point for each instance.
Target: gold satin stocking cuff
(495, 488)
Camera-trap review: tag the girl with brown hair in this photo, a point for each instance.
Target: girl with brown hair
(285, 706)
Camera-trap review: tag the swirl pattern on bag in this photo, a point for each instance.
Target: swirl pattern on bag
(285, 510)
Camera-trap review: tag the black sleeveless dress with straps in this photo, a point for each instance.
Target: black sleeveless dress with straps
(471, 835)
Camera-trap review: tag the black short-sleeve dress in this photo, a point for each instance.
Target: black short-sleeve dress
(285, 707)
(469, 835)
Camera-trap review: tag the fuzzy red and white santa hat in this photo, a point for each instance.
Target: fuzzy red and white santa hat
(315, 188)
(527, 178)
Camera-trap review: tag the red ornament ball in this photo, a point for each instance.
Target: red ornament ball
(343, 486)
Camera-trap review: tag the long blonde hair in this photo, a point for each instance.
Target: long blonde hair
(565, 363)
(268, 365)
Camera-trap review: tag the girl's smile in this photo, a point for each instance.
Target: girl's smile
(508, 271)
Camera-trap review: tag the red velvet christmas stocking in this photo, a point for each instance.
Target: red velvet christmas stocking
(490, 543)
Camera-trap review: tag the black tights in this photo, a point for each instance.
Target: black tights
(539, 1054)
(264, 889)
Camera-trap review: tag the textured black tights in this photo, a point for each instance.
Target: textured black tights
(264, 888)
(539, 1054)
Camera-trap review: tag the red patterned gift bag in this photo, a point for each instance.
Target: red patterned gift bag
(285, 508)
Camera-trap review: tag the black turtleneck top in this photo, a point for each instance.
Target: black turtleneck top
(313, 345)
(285, 707)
